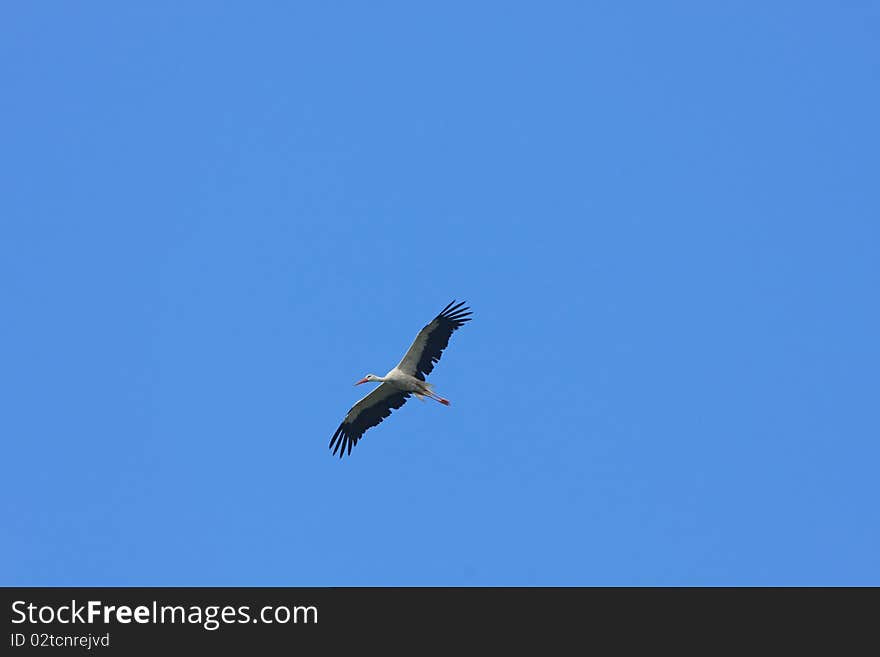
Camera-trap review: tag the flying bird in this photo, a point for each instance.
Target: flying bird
(405, 379)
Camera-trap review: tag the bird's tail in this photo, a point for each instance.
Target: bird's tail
(433, 395)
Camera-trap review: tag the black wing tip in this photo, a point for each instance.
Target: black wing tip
(456, 312)
(341, 442)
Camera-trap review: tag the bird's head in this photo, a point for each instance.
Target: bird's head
(368, 378)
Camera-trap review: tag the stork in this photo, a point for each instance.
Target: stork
(405, 379)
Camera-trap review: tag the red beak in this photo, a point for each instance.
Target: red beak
(360, 382)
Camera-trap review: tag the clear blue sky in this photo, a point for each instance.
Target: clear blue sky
(665, 218)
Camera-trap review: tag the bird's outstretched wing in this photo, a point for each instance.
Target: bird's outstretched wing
(366, 413)
(429, 344)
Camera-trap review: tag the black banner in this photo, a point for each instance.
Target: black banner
(123, 620)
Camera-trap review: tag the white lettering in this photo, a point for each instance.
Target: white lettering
(15, 604)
